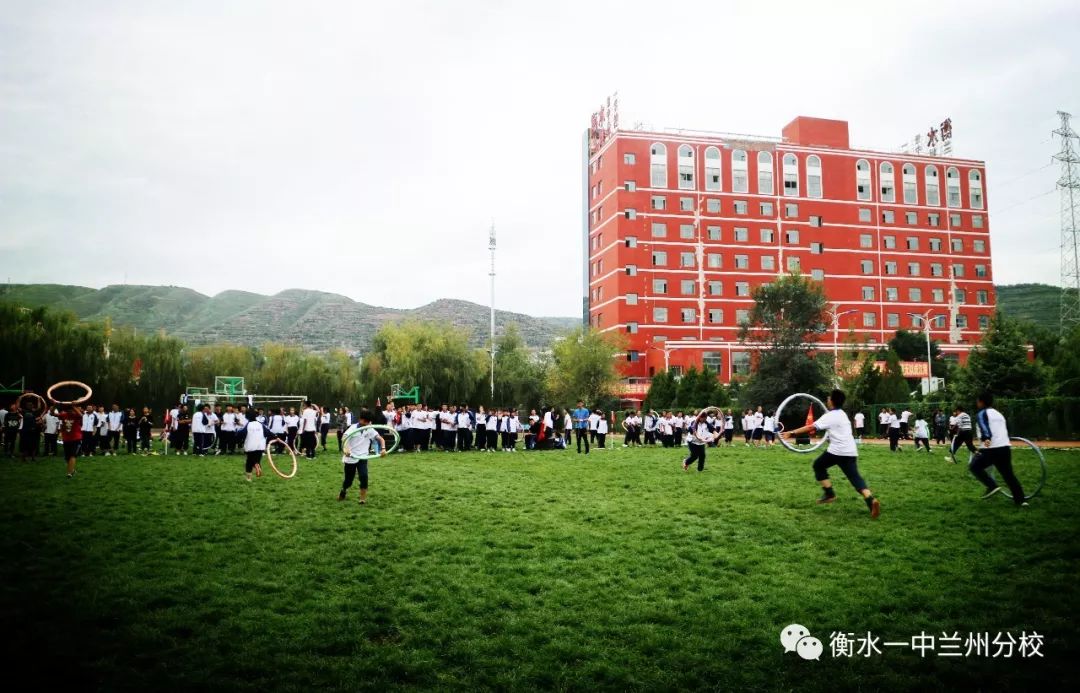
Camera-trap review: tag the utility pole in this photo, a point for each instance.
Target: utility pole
(834, 315)
(491, 247)
(1068, 185)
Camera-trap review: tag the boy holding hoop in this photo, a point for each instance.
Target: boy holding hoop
(996, 451)
(358, 445)
(71, 434)
(841, 452)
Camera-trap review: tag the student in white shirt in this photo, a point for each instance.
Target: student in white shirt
(748, 426)
(481, 428)
(905, 418)
(594, 419)
(230, 421)
(292, 427)
(842, 451)
(860, 423)
(358, 444)
(698, 436)
(996, 451)
(883, 423)
(491, 431)
(922, 433)
(894, 431)
(309, 429)
(769, 426)
(89, 431)
(759, 426)
(115, 426)
(464, 429)
(601, 429)
(52, 432)
(103, 430)
(729, 427)
(649, 425)
(256, 437)
(324, 426)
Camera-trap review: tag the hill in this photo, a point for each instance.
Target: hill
(1039, 303)
(314, 319)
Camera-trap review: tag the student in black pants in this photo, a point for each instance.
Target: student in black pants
(996, 451)
(130, 428)
(146, 424)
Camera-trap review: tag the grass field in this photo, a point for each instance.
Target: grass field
(542, 570)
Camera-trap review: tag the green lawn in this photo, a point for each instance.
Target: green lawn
(540, 570)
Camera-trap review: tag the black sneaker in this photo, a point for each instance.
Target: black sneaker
(826, 499)
(341, 496)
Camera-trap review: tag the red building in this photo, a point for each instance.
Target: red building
(681, 226)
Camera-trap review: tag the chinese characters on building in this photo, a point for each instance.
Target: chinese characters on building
(936, 142)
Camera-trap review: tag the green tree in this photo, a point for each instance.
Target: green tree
(1000, 363)
(861, 387)
(786, 320)
(1067, 365)
(434, 356)
(519, 375)
(663, 392)
(583, 367)
(892, 386)
(911, 346)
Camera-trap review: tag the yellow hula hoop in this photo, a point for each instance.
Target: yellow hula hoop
(270, 459)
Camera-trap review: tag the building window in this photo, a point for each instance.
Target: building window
(914, 294)
(768, 263)
(791, 176)
(687, 260)
(791, 210)
(978, 246)
(716, 288)
(742, 234)
(740, 362)
(889, 242)
(688, 287)
(954, 220)
(630, 213)
(817, 248)
(911, 195)
(890, 267)
(868, 293)
(629, 159)
(976, 221)
(933, 187)
(888, 216)
(686, 231)
(631, 328)
(631, 270)
(933, 219)
(659, 258)
(935, 245)
(765, 209)
(742, 262)
(936, 270)
(980, 270)
(793, 264)
(813, 176)
(815, 221)
(659, 315)
(817, 275)
(658, 165)
(686, 204)
(766, 235)
(740, 206)
(659, 202)
(712, 168)
(862, 180)
(630, 186)
(740, 179)
(633, 355)
(869, 319)
(957, 270)
(961, 321)
(867, 266)
(952, 186)
(958, 245)
(791, 237)
(631, 241)
(631, 299)
(866, 240)
(714, 233)
(742, 288)
(912, 218)
(938, 295)
(659, 286)
(716, 316)
(984, 322)
(689, 315)
(913, 269)
(659, 229)
(912, 243)
(893, 319)
(975, 191)
(712, 206)
(888, 182)
(715, 260)
(764, 173)
(864, 214)
(982, 297)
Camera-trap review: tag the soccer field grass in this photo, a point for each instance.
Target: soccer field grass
(534, 570)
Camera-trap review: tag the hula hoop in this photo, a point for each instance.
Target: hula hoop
(376, 427)
(76, 383)
(779, 411)
(42, 409)
(714, 410)
(1028, 494)
(270, 459)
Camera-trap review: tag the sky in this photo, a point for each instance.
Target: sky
(366, 148)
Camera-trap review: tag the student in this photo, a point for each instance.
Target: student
(510, 426)
(567, 427)
(894, 431)
(71, 434)
(860, 423)
(115, 429)
(463, 422)
(770, 429)
(601, 431)
(677, 426)
(650, 428)
(309, 429)
(213, 430)
(279, 428)
(491, 427)
(883, 423)
(103, 430)
(88, 431)
(256, 438)
(29, 433)
(343, 422)
(698, 436)
(183, 430)
(842, 451)
(12, 422)
(922, 433)
(759, 426)
(357, 446)
(52, 432)
(131, 431)
(292, 427)
(594, 419)
(146, 424)
(963, 434)
(748, 426)
(227, 436)
(324, 426)
(202, 430)
(481, 428)
(996, 451)
(729, 427)
(940, 427)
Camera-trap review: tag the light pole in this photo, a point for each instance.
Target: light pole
(667, 356)
(835, 316)
(925, 318)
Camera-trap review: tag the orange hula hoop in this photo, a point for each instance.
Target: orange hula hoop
(76, 383)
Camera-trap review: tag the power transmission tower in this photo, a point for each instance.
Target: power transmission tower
(1069, 188)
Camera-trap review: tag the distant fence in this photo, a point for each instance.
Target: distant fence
(1049, 418)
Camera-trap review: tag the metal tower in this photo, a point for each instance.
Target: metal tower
(491, 247)
(1069, 188)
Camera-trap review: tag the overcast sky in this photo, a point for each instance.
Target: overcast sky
(364, 148)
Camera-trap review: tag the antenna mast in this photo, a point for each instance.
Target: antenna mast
(1068, 185)
(491, 247)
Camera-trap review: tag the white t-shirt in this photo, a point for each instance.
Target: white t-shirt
(759, 419)
(769, 425)
(893, 421)
(904, 416)
(568, 421)
(228, 421)
(52, 424)
(277, 423)
(463, 421)
(837, 429)
(116, 420)
(492, 423)
(921, 429)
(698, 434)
(292, 421)
(883, 418)
(359, 444)
(309, 420)
(860, 419)
(999, 432)
(594, 419)
(548, 423)
(601, 426)
(729, 423)
(324, 418)
(255, 438)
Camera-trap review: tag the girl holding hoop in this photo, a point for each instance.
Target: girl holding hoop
(841, 452)
(698, 436)
(256, 437)
(357, 446)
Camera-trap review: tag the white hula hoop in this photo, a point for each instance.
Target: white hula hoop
(270, 459)
(75, 383)
(1030, 492)
(378, 427)
(714, 410)
(780, 410)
